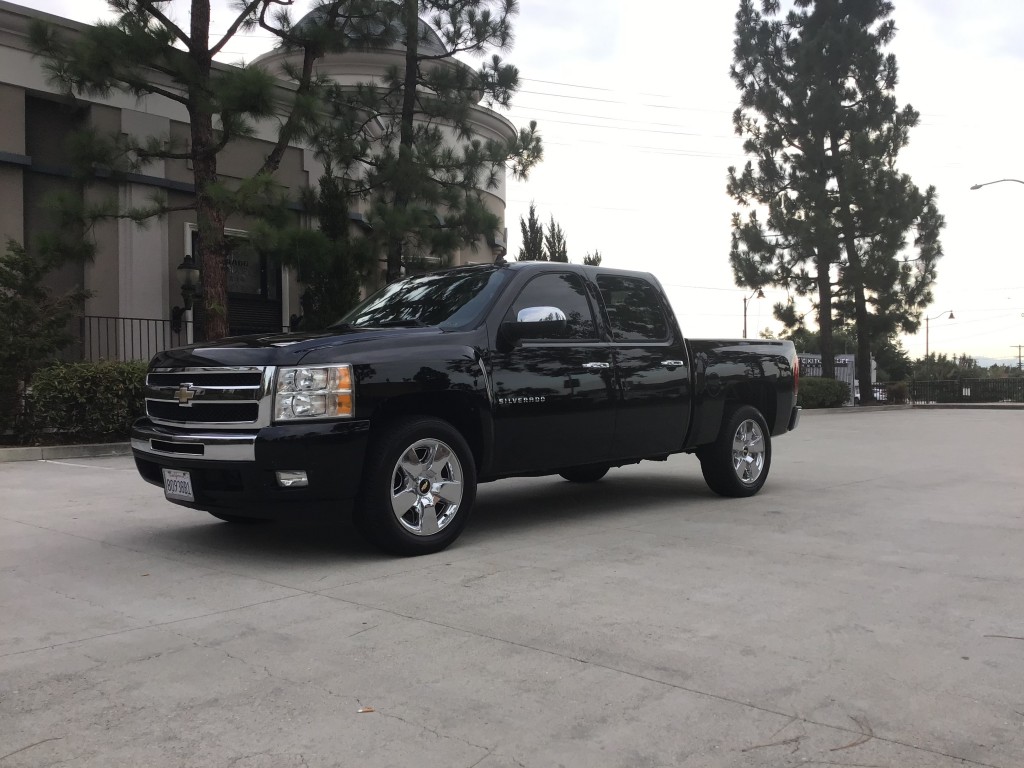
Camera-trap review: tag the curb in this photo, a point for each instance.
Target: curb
(855, 409)
(971, 406)
(43, 452)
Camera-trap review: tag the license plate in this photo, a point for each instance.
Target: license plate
(178, 485)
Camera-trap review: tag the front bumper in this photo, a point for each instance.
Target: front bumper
(235, 470)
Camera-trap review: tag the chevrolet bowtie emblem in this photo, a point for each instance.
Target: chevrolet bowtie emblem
(184, 395)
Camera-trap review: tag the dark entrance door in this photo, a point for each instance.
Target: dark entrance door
(254, 290)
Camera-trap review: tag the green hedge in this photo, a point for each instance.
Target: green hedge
(816, 392)
(84, 402)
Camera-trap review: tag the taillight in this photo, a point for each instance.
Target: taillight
(796, 377)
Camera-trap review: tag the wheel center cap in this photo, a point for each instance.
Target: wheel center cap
(424, 486)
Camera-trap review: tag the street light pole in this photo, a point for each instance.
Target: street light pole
(997, 181)
(757, 294)
(927, 320)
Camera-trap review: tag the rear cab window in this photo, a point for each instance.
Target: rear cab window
(635, 310)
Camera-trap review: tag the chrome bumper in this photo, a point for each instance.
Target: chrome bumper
(154, 440)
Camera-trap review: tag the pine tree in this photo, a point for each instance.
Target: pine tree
(822, 125)
(532, 231)
(425, 175)
(145, 53)
(555, 248)
(592, 259)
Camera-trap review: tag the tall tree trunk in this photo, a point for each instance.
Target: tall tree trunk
(210, 218)
(855, 273)
(822, 265)
(405, 149)
(212, 243)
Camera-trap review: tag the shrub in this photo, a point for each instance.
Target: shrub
(88, 401)
(816, 392)
(33, 326)
(897, 393)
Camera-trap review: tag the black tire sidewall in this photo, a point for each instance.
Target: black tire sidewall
(716, 460)
(373, 515)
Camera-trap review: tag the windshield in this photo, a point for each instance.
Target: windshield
(451, 299)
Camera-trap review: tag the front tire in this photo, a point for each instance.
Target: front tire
(418, 488)
(737, 463)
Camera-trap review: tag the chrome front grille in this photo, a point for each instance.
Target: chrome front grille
(225, 398)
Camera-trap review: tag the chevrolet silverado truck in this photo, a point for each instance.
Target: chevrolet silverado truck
(442, 381)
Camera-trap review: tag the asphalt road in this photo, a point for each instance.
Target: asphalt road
(866, 609)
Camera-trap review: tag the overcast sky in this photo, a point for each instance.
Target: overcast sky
(634, 102)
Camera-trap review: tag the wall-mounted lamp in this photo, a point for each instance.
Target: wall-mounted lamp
(188, 279)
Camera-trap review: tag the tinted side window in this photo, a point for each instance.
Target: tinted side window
(565, 291)
(634, 309)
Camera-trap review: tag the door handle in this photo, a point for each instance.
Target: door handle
(597, 365)
(673, 363)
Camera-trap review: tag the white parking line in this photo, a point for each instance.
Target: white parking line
(86, 466)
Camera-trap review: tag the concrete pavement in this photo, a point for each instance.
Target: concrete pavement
(865, 609)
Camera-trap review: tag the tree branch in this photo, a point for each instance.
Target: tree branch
(156, 90)
(238, 22)
(151, 8)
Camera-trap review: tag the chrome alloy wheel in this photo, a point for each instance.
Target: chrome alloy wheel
(748, 451)
(426, 487)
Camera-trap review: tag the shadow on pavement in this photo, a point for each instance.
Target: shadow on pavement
(502, 508)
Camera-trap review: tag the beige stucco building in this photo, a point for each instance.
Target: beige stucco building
(133, 279)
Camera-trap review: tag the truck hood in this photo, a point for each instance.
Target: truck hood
(286, 348)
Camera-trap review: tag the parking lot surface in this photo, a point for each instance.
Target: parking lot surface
(866, 609)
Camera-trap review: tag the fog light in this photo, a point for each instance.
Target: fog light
(292, 478)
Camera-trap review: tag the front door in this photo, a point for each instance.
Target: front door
(554, 396)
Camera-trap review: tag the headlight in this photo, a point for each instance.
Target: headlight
(313, 392)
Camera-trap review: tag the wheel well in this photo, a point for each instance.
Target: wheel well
(458, 410)
(759, 396)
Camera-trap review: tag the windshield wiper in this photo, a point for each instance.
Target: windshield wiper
(401, 324)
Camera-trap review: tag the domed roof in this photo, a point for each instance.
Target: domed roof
(429, 42)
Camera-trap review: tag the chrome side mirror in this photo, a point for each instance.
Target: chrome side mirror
(535, 323)
(540, 315)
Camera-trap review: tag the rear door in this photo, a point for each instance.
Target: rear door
(554, 397)
(653, 368)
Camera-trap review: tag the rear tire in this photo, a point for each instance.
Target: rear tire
(590, 473)
(418, 487)
(737, 463)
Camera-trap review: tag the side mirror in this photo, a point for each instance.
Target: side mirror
(535, 323)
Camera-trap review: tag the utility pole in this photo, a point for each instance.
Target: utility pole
(1020, 357)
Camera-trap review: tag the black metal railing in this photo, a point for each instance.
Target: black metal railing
(122, 338)
(968, 391)
(99, 337)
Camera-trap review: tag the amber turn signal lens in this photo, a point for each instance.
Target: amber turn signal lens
(343, 377)
(343, 405)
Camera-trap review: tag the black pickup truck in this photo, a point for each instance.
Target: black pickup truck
(442, 381)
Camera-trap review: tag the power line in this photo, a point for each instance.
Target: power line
(590, 87)
(627, 103)
(528, 108)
